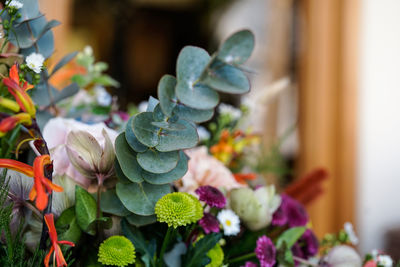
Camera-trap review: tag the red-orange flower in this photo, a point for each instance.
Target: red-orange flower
(9, 123)
(55, 247)
(41, 185)
(243, 177)
(18, 90)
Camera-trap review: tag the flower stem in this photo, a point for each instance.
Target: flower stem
(243, 257)
(165, 244)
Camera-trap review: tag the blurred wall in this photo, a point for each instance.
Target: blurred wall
(379, 122)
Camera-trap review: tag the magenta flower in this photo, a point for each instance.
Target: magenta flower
(209, 223)
(306, 246)
(211, 196)
(290, 213)
(265, 251)
(249, 264)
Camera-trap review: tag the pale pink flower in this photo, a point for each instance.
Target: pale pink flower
(55, 134)
(204, 169)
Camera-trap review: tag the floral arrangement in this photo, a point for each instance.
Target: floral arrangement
(86, 184)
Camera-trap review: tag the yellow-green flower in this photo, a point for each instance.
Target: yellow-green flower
(216, 254)
(117, 251)
(178, 209)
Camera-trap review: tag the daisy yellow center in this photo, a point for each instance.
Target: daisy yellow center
(228, 222)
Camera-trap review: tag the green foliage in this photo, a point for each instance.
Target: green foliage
(85, 210)
(157, 137)
(13, 251)
(196, 255)
(285, 243)
(68, 227)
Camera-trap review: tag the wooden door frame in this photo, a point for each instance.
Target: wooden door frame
(328, 105)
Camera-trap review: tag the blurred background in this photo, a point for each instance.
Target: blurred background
(324, 70)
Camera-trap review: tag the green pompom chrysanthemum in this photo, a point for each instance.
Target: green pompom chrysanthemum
(117, 251)
(216, 254)
(178, 209)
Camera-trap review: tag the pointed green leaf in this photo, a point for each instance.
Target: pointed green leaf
(197, 253)
(158, 114)
(168, 177)
(178, 139)
(85, 209)
(131, 138)
(68, 226)
(127, 159)
(290, 237)
(158, 162)
(144, 131)
(140, 198)
(237, 48)
(166, 94)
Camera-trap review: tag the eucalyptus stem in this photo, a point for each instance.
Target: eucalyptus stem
(243, 257)
(164, 245)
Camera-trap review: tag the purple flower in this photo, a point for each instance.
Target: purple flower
(209, 223)
(265, 251)
(290, 212)
(211, 196)
(249, 264)
(306, 246)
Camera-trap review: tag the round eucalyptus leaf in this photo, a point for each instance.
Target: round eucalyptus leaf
(166, 94)
(110, 203)
(138, 220)
(169, 126)
(237, 48)
(198, 96)
(158, 114)
(191, 114)
(127, 159)
(158, 162)
(144, 131)
(140, 198)
(28, 11)
(226, 78)
(165, 178)
(191, 63)
(121, 176)
(151, 104)
(179, 139)
(131, 138)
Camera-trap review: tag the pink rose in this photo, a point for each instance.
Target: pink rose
(204, 169)
(55, 134)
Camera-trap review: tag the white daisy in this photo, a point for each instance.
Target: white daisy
(229, 110)
(203, 133)
(16, 4)
(230, 222)
(35, 62)
(348, 228)
(385, 261)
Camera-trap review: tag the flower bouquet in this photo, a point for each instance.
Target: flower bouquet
(86, 184)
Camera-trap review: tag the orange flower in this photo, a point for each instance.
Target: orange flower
(55, 247)
(41, 183)
(19, 93)
(242, 177)
(9, 123)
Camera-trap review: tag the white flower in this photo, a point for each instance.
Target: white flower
(142, 107)
(103, 98)
(230, 222)
(16, 4)
(88, 50)
(348, 228)
(203, 133)
(385, 261)
(229, 110)
(35, 62)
